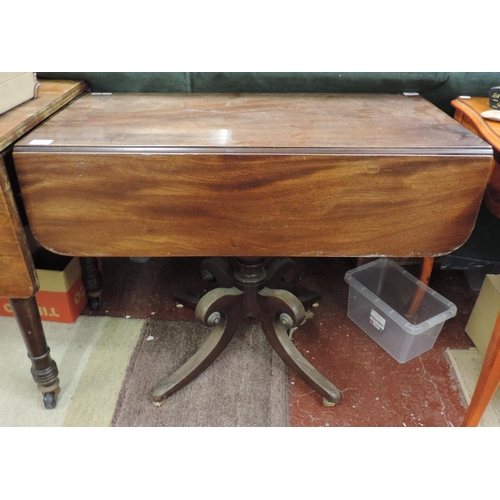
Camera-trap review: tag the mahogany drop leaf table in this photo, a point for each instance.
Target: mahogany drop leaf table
(252, 176)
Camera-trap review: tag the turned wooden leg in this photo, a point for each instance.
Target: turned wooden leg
(92, 280)
(425, 276)
(44, 369)
(488, 382)
(426, 269)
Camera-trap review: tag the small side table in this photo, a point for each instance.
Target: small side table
(468, 113)
(19, 281)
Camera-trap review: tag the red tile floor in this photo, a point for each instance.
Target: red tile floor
(377, 390)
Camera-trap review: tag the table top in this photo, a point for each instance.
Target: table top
(472, 107)
(17, 272)
(249, 122)
(468, 113)
(52, 96)
(252, 175)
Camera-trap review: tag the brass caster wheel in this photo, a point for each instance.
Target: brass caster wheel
(50, 400)
(158, 403)
(328, 404)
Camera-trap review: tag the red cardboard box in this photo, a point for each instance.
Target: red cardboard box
(61, 296)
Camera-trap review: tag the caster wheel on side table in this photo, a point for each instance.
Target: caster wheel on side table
(94, 303)
(50, 400)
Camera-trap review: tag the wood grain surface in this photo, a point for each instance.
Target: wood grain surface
(361, 122)
(252, 175)
(17, 272)
(250, 205)
(52, 95)
(468, 113)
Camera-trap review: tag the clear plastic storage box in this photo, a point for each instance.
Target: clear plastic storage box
(402, 314)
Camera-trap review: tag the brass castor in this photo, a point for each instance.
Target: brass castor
(328, 403)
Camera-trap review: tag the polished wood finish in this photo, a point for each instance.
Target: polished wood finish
(245, 205)
(252, 175)
(17, 271)
(488, 382)
(52, 96)
(302, 122)
(468, 113)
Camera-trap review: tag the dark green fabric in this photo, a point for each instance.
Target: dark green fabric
(461, 83)
(128, 82)
(439, 88)
(316, 82)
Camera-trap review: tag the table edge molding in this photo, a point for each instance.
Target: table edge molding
(487, 150)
